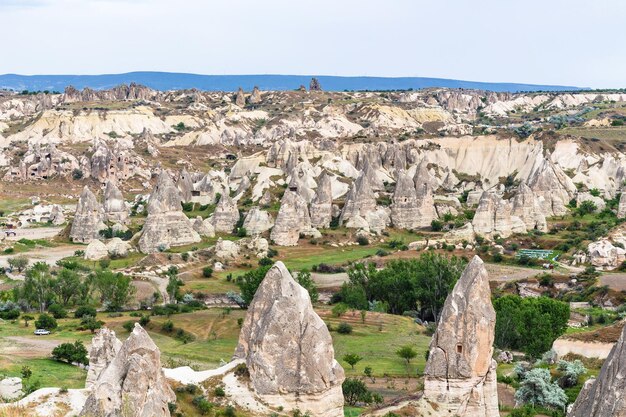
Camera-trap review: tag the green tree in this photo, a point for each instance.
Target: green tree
(46, 321)
(407, 353)
(352, 359)
(91, 323)
(19, 262)
(27, 318)
(115, 289)
(38, 285)
(65, 286)
(250, 281)
(355, 391)
(537, 389)
(304, 279)
(71, 353)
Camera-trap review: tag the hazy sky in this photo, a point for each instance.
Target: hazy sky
(567, 42)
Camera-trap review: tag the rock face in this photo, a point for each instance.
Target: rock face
(322, 203)
(185, 186)
(292, 219)
(360, 200)
(240, 98)
(526, 206)
(104, 347)
(605, 395)
(11, 388)
(493, 217)
(621, 209)
(553, 188)
(255, 97)
(226, 215)
(315, 85)
(115, 210)
(133, 383)
(460, 372)
(288, 349)
(166, 224)
(257, 221)
(88, 219)
(603, 254)
(405, 207)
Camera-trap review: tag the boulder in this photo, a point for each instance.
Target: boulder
(96, 250)
(460, 374)
(602, 254)
(255, 97)
(226, 249)
(604, 396)
(597, 201)
(88, 219)
(240, 98)
(115, 210)
(104, 347)
(116, 247)
(257, 221)
(203, 228)
(166, 224)
(288, 349)
(133, 383)
(11, 388)
(226, 215)
(57, 217)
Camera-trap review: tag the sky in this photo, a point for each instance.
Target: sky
(562, 42)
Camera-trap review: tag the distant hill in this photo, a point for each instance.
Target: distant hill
(176, 81)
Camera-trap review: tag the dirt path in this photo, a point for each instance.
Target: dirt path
(35, 233)
(35, 346)
(509, 273)
(329, 280)
(47, 255)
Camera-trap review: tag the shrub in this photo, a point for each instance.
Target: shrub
(57, 311)
(90, 323)
(46, 321)
(207, 272)
(339, 309)
(355, 391)
(265, 261)
(71, 353)
(85, 311)
(537, 389)
(168, 326)
(219, 391)
(570, 372)
(129, 326)
(362, 241)
(436, 225)
(344, 328)
(77, 174)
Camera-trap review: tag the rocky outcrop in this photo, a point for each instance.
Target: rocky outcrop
(133, 383)
(185, 186)
(226, 249)
(88, 219)
(621, 208)
(240, 98)
(104, 348)
(226, 215)
(460, 374)
(405, 206)
(166, 224)
(315, 85)
(292, 219)
(553, 188)
(604, 255)
(11, 388)
(493, 217)
(257, 221)
(203, 227)
(115, 210)
(360, 200)
(322, 203)
(118, 248)
(96, 250)
(255, 97)
(604, 396)
(526, 206)
(288, 349)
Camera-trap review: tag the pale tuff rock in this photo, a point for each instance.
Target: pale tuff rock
(493, 216)
(226, 249)
(527, 208)
(226, 215)
(96, 250)
(243, 186)
(460, 374)
(553, 188)
(41, 163)
(621, 209)
(240, 98)
(604, 396)
(185, 185)
(207, 189)
(133, 383)
(132, 91)
(166, 224)
(405, 206)
(450, 182)
(460, 234)
(118, 248)
(57, 217)
(255, 97)
(602, 254)
(104, 348)
(266, 199)
(372, 177)
(288, 349)
(11, 388)
(88, 219)
(258, 245)
(359, 201)
(115, 209)
(203, 228)
(292, 219)
(426, 205)
(597, 201)
(423, 176)
(321, 206)
(257, 221)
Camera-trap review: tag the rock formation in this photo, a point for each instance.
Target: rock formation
(604, 396)
(115, 210)
(257, 221)
(11, 388)
(104, 348)
(360, 200)
(255, 97)
(621, 209)
(553, 187)
(493, 217)
(96, 250)
(315, 85)
(133, 383)
(321, 205)
(460, 374)
(527, 208)
(292, 219)
(604, 255)
(288, 349)
(226, 215)
(203, 228)
(405, 206)
(166, 224)
(185, 186)
(240, 98)
(88, 219)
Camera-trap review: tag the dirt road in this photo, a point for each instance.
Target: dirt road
(47, 255)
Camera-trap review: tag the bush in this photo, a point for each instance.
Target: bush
(570, 373)
(71, 353)
(355, 391)
(207, 272)
(77, 174)
(344, 328)
(85, 311)
(537, 389)
(436, 225)
(339, 309)
(265, 261)
(362, 241)
(168, 326)
(57, 311)
(46, 321)
(129, 326)
(219, 391)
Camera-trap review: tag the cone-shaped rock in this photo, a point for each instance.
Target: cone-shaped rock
(166, 224)
(288, 349)
(553, 188)
(257, 221)
(322, 204)
(360, 200)
(104, 348)
(88, 219)
(133, 383)
(114, 206)
(240, 98)
(605, 396)
(226, 214)
(460, 374)
(405, 207)
(293, 218)
(185, 186)
(527, 207)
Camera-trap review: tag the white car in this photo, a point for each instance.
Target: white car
(42, 332)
